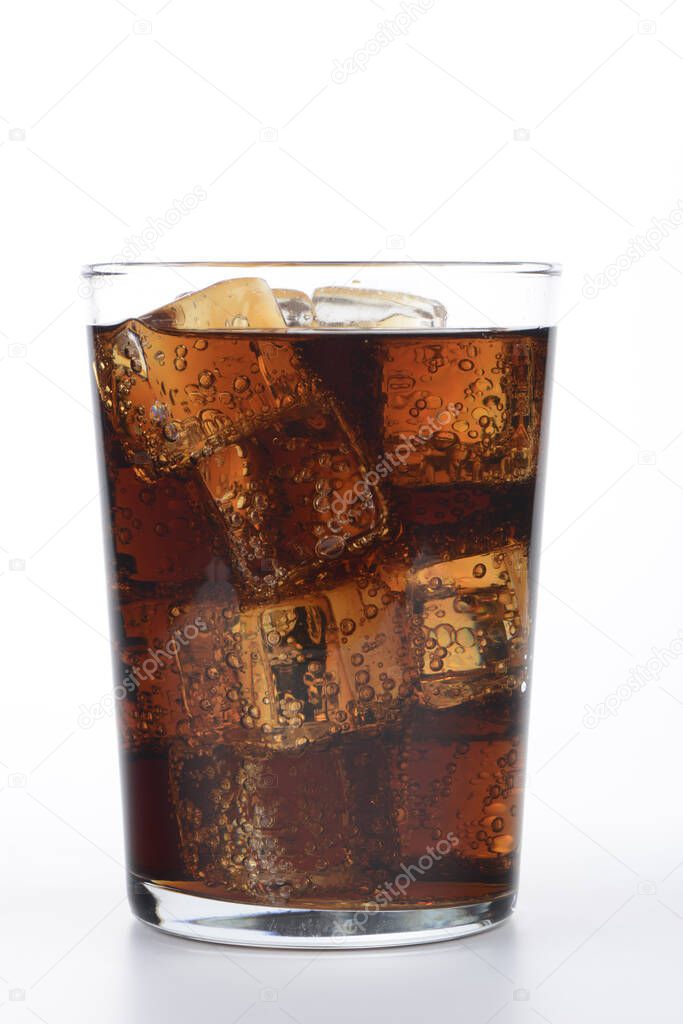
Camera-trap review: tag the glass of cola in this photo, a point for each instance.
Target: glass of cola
(322, 490)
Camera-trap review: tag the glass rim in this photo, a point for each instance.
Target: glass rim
(539, 269)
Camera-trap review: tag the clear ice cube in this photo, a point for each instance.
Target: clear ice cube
(442, 757)
(459, 410)
(279, 826)
(472, 625)
(241, 303)
(207, 653)
(366, 308)
(148, 688)
(276, 494)
(327, 665)
(296, 307)
(169, 396)
(158, 530)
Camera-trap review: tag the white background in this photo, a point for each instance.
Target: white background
(109, 112)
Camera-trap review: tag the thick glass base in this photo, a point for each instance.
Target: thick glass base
(209, 920)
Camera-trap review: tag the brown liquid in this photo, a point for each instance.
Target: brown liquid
(323, 702)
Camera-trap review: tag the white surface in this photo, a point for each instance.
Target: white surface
(416, 152)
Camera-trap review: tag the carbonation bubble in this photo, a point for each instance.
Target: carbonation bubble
(330, 547)
(347, 626)
(445, 635)
(465, 637)
(442, 440)
(159, 412)
(479, 570)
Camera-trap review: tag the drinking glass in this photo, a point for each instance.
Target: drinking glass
(323, 485)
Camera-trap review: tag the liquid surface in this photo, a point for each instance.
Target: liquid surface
(320, 572)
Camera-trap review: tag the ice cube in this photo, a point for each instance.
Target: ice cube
(169, 396)
(147, 688)
(277, 494)
(472, 626)
(158, 532)
(296, 689)
(459, 410)
(181, 665)
(460, 776)
(378, 659)
(322, 666)
(187, 400)
(208, 655)
(365, 308)
(241, 303)
(278, 827)
(296, 307)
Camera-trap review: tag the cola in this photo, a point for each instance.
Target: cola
(321, 552)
